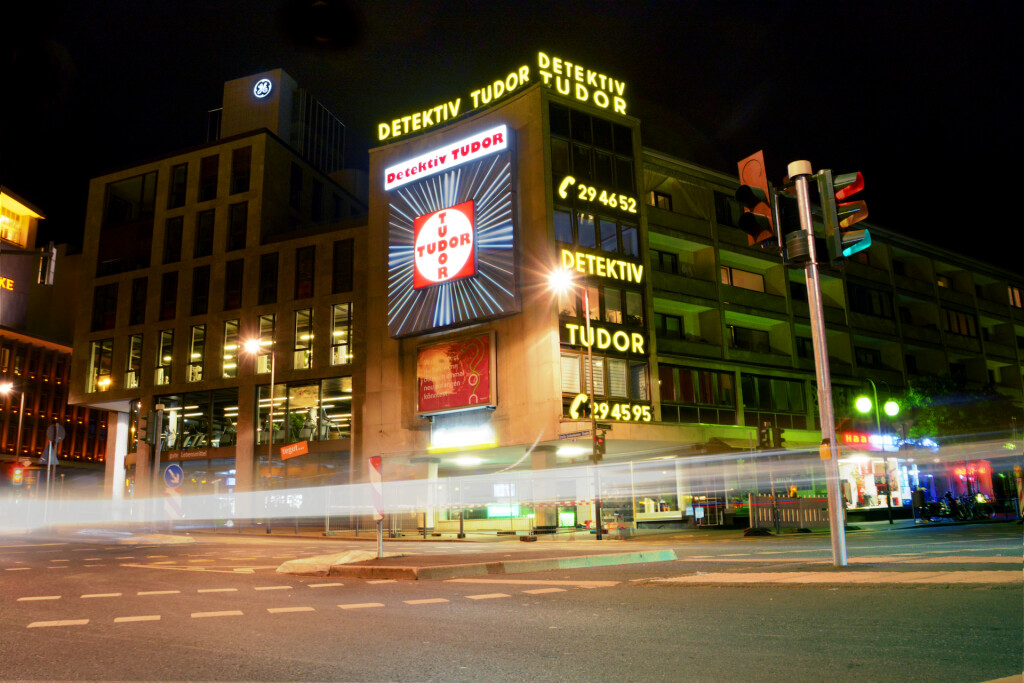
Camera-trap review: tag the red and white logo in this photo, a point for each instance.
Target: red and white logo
(445, 246)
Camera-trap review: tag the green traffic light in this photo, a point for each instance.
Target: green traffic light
(863, 404)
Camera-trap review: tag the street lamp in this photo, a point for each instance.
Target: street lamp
(562, 281)
(892, 409)
(6, 389)
(254, 347)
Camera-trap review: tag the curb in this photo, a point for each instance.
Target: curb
(501, 567)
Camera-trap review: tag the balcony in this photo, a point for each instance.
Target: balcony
(682, 284)
(676, 222)
(962, 343)
(689, 347)
(950, 296)
(928, 334)
(1004, 351)
(760, 357)
(870, 273)
(873, 323)
(754, 300)
(996, 308)
(914, 285)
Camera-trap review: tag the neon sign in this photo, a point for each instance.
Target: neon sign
(564, 77)
(444, 248)
(7, 283)
(590, 194)
(601, 338)
(601, 266)
(262, 88)
(603, 410)
(447, 157)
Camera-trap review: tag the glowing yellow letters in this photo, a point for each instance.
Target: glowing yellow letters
(583, 84)
(7, 283)
(601, 338)
(592, 264)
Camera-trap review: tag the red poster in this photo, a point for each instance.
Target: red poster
(455, 374)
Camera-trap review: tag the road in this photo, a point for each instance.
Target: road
(730, 609)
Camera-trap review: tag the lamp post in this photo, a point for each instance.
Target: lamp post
(254, 346)
(561, 281)
(865, 404)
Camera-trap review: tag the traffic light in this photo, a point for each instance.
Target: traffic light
(777, 439)
(839, 215)
(599, 447)
(764, 435)
(17, 476)
(755, 196)
(147, 428)
(47, 265)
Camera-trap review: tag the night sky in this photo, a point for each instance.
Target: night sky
(924, 98)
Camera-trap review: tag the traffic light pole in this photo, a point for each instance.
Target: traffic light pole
(593, 412)
(799, 171)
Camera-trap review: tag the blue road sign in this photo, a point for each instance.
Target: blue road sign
(173, 476)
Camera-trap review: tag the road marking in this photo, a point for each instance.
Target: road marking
(102, 595)
(487, 596)
(323, 585)
(427, 601)
(94, 565)
(541, 591)
(64, 622)
(154, 557)
(40, 597)
(63, 566)
(217, 590)
(281, 610)
(361, 605)
(271, 588)
(228, 613)
(17, 569)
(382, 581)
(541, 582)
(202, 560)
(147, 617)
(163, 562)
(185, 569)
(157, 592)
(125, 557)
(60, 560)
(30, 545)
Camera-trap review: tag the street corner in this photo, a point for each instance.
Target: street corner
(321, 565)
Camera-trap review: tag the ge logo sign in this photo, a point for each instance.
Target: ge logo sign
(262, 88)
(445, 248)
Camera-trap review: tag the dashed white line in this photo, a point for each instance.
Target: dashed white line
(40, 597)
(157, 592)
(271, 588)
(217, 590)
(282, 610)
(63, 622)
(541, 591)
(382, 581)
(227, 613)
(323, 585)
(102, 595)
(17, 569)
(145, 617)
(60, 560)
(487, 596)
(361, 605)
(426, 601)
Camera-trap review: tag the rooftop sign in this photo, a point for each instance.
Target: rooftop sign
(566, 78)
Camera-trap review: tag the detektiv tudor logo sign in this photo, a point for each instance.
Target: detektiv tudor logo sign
(444, 246)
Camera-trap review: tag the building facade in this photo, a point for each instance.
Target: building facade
(426, 331)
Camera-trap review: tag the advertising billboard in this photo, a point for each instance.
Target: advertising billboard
(451, 235)
(454, 375)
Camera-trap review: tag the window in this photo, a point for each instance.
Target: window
(659, 200)
(867, 357)
(267, 324)
(176, 191)
(295, 187)
(960, 323)
(133, 362)
(208, 167)
(591, 148)
(944, 281)
(911, 361)
(668, 326)
(870, 301)
(197, 354)
(634, 309)
(126, 235)
(341, 275)
(101, 358)
(268, 279)
(630, 240)
(238, 223)
(746, 339)
(613, 306)
(302, 356)
(164, 357)
(230, 355)
(234, 276)
(204, 233)
(200, 290)
(104, 307)
(172, 239)
(305, 260)
(306, 411)
(137, 308)
(702, 396)
(586, 235)
(168, 295)
(609, 236)
(316, 209)
(1015, 297)
(612, 376)
(341, 334)
(241, 162)
(742, 278)
(664, 262)
(804, 347)
(797, 291)
(563, 227)
(772, 399)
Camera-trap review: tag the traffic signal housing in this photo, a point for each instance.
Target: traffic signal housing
(599, 447)
(839, 216)
(777, 439)
(764, 435)
(17, 476)
(147, 428)
(755, 196)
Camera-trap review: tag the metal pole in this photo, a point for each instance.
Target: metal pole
(799, 171)
(155, 485)
(878, 430)
(593, 407)
(380, 538)
(270, 436)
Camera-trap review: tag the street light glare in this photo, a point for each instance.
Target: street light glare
(6, 387)
(560, 280)
(891, 408)
(252, 346)
(863, 404)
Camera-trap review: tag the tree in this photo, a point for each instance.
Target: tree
(943, 406)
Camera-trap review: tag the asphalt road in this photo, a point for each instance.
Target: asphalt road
(216, 609)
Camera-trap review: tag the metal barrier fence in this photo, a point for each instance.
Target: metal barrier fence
(790, 513)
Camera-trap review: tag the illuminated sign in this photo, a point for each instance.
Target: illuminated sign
(454, 375)
(294, 450)
(602, 339)
(7, 283)
(601, 266)
(564, 77)
(262, 88)
(603, 410)
(447, 157)
(462, 192)
(869, 442)
(590, 194)
(444, 248)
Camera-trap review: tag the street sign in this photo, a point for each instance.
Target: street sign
(49, 455)
(574, 435)
(172, 503)
(376, 491)
(55, 432)
(173, 476)
(602, 425)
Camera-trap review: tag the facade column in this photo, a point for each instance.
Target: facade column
(545, 491)
(426, 469)
(117, 449)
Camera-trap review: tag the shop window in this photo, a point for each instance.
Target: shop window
(305, 261)
(306, 411)
(208, 168)
(169, 295)
(268, 279)
(204, 233)
(104, 307)
(197, 354)
(341, 334)
(238, 225)
(234, 277)
(224, 417)
(173, 230)
(230, 349)
(133, 362)
(194, 428)
(178, 184)
(241, 165)
(302, 352)
(342, 266)
(164, 358)
(137, 308)
(101, 356)
(267, 324)
(200, 290)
